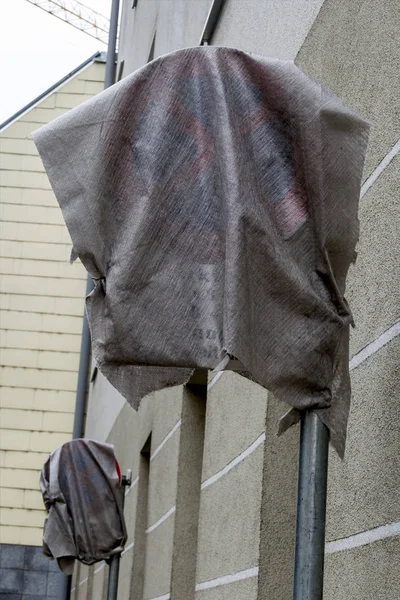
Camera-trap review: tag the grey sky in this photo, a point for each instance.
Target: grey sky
(37, 50)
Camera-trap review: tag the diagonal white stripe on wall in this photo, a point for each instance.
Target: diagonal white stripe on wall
(240, 576)
(127, 548)
(234, 462)
(215, 379)
(375, 345)
(380, 168)
(100, 568)
(165, 440)
(130, 488)
(161, 520)
(364, 538)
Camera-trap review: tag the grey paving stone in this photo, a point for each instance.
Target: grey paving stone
(8, 596)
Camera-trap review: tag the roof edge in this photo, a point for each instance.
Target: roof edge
(97, 57)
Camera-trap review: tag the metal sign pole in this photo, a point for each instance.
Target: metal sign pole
(113, 575)
(113, 572)
(311, 509)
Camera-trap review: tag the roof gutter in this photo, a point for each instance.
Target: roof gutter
(97, 57)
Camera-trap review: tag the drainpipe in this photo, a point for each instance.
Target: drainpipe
(112, 46)
(64, 583)
(84, 360)
(311, 509)
(211, 22)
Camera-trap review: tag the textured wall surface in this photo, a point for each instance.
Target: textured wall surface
(228, 480)
(41, 306)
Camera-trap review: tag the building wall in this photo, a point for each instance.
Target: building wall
(25, 572)
(41, 307)
(211, 512)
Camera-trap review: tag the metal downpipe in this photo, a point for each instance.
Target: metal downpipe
(109, 78)
(311, 509)
(65, 582)
(211, 22)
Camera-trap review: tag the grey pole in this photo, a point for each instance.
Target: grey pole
(113, 573)
(109, 78)
(84, 359)
(211, 22)
(84, 362)
(311, 509)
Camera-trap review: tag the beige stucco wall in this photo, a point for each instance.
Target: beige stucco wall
(41, 306)
(238, 503)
